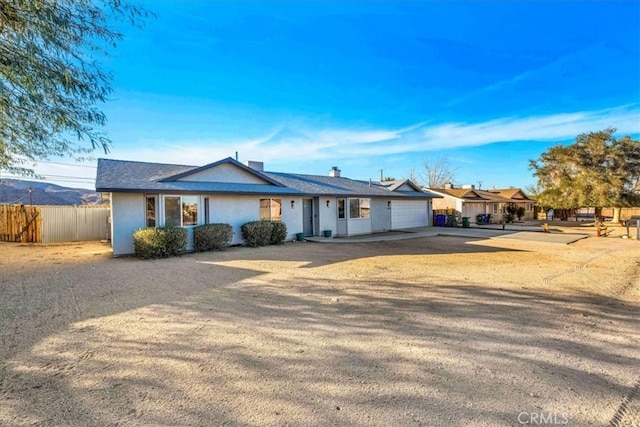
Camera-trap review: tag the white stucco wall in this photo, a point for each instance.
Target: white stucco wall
(127, 215)
(327, 216)
(292, 216)
(359, 226)
(234, 210)
(447, 202)
(380, 215)
(225, 173)
(238, 210)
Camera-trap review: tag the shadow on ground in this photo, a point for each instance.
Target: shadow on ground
(186, 341)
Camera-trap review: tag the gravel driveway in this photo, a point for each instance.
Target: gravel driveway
(436, 331)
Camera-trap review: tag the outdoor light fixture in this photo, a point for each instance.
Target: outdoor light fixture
(293, 204)
(389, 204)
(328, 202)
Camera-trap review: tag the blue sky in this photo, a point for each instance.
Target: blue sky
(304, 86)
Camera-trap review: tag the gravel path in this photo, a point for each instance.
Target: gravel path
(437, 331)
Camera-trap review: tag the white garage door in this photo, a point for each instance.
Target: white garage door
(408, 214)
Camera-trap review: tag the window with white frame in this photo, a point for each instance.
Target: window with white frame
(271, 209)
(496, 208)
(359, 208)
(151, 209)
(181, 211)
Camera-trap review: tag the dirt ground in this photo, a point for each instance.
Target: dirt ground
(436, 331)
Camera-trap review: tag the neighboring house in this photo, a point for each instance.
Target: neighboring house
(517, 197)
(227, 191)
(469, 201)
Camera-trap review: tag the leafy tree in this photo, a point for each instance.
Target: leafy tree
(437, 173)
(510, 212)
(597, 170)
(50, 81)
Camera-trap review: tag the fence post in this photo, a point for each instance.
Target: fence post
(77, 221)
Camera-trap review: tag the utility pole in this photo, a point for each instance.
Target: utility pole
(381, 170)
(30, 196)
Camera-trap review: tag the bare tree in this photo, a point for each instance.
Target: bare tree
(533, 190)
(437, 173)
(413, 177)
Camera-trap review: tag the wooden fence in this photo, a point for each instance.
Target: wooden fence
(20, 224)
(625, 213)
(53, 224)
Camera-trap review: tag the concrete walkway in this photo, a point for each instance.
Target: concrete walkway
(525, 233)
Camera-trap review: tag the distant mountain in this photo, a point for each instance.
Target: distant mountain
(15, 191)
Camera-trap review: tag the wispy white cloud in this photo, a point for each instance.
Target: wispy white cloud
(304, 143)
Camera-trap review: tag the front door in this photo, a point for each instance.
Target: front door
(342, 217)
(307, 217)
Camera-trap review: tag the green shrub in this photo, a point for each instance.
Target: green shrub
(278, 233)
(257, 233)
(176, 240)
(148, 243)
(212, 236)
(159, 242)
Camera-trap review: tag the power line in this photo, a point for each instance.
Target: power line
(67, 176)
(15, 201)
(76, 181)
(66, 164)
(50, 175)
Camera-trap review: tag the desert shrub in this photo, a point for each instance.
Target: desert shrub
(212, 236)
(257, 233)
(520, 213)
(278, 233)
(159, 242)
(176, 240)
(148, 243)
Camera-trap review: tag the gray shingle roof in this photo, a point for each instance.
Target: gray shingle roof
(134, 177)
(334, 186)
(129, 176)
